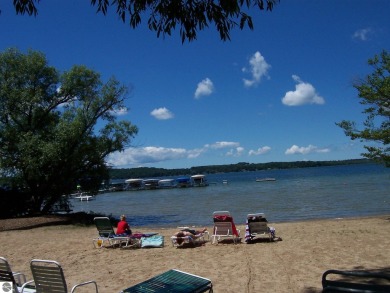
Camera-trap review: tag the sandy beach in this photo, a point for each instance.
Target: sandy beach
(294, 264)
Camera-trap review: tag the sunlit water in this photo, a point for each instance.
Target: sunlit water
(297, 194)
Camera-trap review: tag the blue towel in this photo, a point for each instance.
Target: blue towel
(152, 241)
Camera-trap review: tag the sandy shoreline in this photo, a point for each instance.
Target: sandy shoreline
(292, 265)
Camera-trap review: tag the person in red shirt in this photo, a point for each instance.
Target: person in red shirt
(123, 227)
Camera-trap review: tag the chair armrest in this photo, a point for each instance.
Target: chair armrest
(20, 278)
(24, 286)
(83, 284)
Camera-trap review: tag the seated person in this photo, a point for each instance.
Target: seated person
(123, 227)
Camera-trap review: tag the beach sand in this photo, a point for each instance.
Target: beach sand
(294, 264)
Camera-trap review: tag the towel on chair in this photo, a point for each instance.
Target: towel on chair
(226, 218)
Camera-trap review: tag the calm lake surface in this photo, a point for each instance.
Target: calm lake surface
(296, 195)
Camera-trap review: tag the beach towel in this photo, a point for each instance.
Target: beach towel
(152, 241)
(226, 218)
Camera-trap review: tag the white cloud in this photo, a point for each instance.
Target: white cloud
(150, 154)
(362, 34)
(236, 152)
(260, 151)
(258, 68)
(223, 144)
(120, 111)
(205, 88)
(304, 93)
(235, 149)
(162, 114)
(305, 150)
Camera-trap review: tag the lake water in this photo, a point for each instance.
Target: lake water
(296, 195)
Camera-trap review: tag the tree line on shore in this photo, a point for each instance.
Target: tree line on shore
(146, 172)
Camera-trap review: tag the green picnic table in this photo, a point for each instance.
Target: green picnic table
(174, 281)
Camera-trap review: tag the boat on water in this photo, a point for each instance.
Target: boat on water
(84, 196)
(167, 183)
(116, 187)
(134, 184)
(151, 183)
(183, 182)
(199, 180)
(265, 179)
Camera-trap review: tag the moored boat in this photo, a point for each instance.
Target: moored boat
(183, 182)
(167, 183)
(134, 184)
(119, 186)
(84, 197)
(265, 179)
(199, 180)
(151, 183)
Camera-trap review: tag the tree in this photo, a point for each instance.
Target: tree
(48, 137)
(374, 92)
(165, 15)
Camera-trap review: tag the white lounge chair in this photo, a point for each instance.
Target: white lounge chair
(107, 236)
(224, 227)
(179, 241)
(49, 277)
(256, 226)
(15, 279)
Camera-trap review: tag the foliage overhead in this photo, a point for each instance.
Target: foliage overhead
(374, 94)
(164, 15)
(48, 140)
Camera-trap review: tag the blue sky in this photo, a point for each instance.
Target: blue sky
(271, 94)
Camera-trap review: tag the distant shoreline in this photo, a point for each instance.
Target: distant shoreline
(150, 172)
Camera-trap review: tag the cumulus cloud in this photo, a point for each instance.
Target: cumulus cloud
(120, 111)
(235, 148)
(162, 114)
(205, 88)
(362, 34)
(258, 68)
(150, 154)
(223, 144)
(305, 150)
(235, 152)
(260, 151)
(304, 93)
(138, 156)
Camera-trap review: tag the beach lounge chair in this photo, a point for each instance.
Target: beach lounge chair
(48, 276)
(15, 279)
(355, 281)
(173, 281)
(107, 236)
(191, 240)
(256, 226)
(224, 227)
